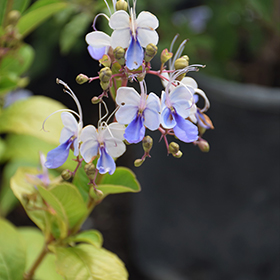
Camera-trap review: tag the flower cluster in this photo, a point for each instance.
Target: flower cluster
(126, 57)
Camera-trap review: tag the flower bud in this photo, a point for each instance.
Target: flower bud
(165, 56)
(13, 17)
(173, 148)
(121, 5)
(119, 54)
(203, 145)
(23, 82)
(99, 193)
(178, 154)
(181, 63)
(66, 175)
(141, 76)
(90, 170)
(95, 100)
(105, 74)
(150, 52)
(147, 143)
(81, 79)
(138, 162)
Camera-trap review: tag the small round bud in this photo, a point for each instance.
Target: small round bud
(173, 148)
(119, 54)
(66, 175)
(178, 154)
(99, 193)
(95, 100)
(147, 143)
(165, 56)
(203, 145)
(138, 162)
(13, 17)
(121, 5)
(105, 60)
(90, 170)
(81, 79)
(150, 52)
(181, 63)
(105, 74)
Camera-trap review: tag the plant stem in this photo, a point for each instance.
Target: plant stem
(30, 273)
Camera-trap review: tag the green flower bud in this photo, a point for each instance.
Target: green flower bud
(181, 63)
(99, 193)
(141, 76)
(81, 79)
(173, 148)
(13, 17)
(95, 100)
(23, 82)
(105, 60)
(119, 54)
(150, 52)
(178, 154)
(138, 162)
(105, 75)
(121, 5)
(203, 145)
(165, 56)
(66, 175)
(90, 170)
(147, 143)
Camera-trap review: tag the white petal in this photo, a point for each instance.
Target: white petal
(120, 38)
(89, 149)
(182, 100)
(146, 37)
(127, 96)
(65, 135)
(188, 81)
(88, 133)
(69, 121)
(116, 130)
(126, 114)
(152, 112)
(98, 39)
(163, 81)
(119, 20)
(115, 147)
(203, 95)
(147, 20)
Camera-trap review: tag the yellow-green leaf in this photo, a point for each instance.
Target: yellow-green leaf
(93, 237)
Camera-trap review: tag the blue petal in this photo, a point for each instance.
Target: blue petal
(201, 120)
(167, 120)
(105, 162)
(134, 55)
(135, 131)
(185, 130)
(96, 53)
(59, 155)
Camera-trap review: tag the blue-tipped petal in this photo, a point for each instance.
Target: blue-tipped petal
(135, 131)
(96, 53)
(105, 162)
(134, 55)
(185, 130)
(59, 155)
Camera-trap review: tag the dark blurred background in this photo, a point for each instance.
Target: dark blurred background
(205, 216)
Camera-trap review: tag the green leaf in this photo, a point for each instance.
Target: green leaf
(34, 241)
(2, 148)
(33, 204)
(17, 61)
(3, 7)
(12, 252)
(88, 262)
(37, 13)
(67, 203)
(92, 237)
(27, 116)
(8, 82)
(20, 5)
(123, 180)
(73, 30)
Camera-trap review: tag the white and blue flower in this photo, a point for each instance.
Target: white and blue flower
(107, 142)
(175, 109)
(138, 111)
